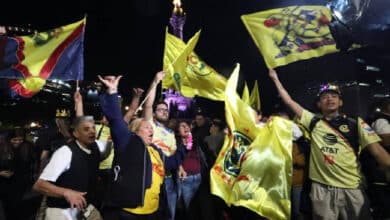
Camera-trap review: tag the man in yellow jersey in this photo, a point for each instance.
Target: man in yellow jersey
(163, 137)
(336, 190)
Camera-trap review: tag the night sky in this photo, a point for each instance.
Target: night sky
(127, 37)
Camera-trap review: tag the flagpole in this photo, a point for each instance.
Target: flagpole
(143, 101)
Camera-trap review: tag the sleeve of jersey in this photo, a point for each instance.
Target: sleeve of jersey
(306, 118)
(173, 145)
(59, 163)
(366, 134)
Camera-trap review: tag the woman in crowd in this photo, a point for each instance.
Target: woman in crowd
(189, 174)
(138, 165)
(16, 172)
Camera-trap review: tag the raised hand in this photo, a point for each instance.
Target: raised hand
(77, 96)
(111, 82)
(159, 76)
(138, 92)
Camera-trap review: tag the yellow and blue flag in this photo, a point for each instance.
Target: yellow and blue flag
(254, 166)
(286, 35)
(28, 61)
(187, 73)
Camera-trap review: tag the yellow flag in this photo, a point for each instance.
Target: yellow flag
(245, 94)
(254, 98)
(241, 121)
(254, 167)
(188, 73)
(286, 35)
(175, 60)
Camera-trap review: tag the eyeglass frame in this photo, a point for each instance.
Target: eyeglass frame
(162, 110)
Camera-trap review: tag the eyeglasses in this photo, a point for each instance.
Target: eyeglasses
(162, 110)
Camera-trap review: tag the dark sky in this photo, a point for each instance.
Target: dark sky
(127, 37)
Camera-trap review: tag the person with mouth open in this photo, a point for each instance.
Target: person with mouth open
(336, 141)
(69, 177)
(138, 165)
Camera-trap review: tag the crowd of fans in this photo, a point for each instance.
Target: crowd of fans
(145, 165)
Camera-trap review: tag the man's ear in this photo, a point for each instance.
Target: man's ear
(75, 133)
(341, 102)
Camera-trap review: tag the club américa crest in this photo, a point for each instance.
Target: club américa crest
(234, 157)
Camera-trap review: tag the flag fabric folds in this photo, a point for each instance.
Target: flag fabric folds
(245, 94)
(254, 167)
(286, 35)
(28, 61)
(188, 73)
(254, 98)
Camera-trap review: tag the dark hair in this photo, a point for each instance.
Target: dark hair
(16, 132)
(200, 112)
(188, 122)
(25, 147)
(219, 123)
(159, 103)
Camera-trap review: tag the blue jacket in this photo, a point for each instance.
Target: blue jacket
(132, 167)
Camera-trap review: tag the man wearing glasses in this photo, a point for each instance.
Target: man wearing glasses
(163, 137)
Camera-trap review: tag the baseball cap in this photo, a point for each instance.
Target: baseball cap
(329, 87)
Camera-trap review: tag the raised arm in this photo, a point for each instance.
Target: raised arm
(78, 103)
(151, 95)
(137, 93)
(109, 103)
(294, 106)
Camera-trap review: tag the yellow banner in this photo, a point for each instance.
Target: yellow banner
(286, 35)
(254, 167)
(245, 94)
(187, 73)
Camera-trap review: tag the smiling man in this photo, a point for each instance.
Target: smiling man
(336, 141)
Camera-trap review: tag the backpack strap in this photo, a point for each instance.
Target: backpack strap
(314, 122)
(350, 139)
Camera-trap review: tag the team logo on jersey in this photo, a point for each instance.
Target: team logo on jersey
(329, 139)
(344, 128)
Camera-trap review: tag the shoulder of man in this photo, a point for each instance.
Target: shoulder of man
(314, 121)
